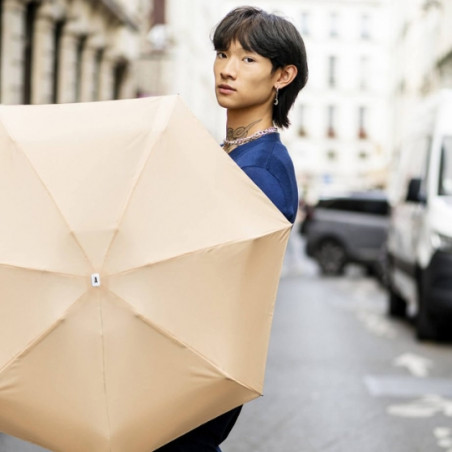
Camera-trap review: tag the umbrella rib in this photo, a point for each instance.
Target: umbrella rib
(172, 337)
(19, 148)
(138, 178)
(39, 270)
(41, 336)
(200, 250)
(103, 368)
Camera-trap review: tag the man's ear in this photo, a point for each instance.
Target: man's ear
(287, 75)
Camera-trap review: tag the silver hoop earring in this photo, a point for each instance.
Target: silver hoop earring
(276, 101)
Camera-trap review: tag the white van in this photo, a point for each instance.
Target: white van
(420, 233)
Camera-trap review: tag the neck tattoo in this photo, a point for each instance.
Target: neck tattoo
(240, 132)
(236, 137)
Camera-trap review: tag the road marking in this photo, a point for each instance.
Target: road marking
(432, 400)
(417, 365)
(425, 407)
(407, 386)
(443, 437)
(442, 432)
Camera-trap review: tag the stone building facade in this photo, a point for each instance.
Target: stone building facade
(56, 51)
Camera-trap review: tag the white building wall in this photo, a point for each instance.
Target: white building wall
(362, 80)
(423, 56)
(178, 59)
(191, 24)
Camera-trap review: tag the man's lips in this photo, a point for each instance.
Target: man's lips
(225, 89)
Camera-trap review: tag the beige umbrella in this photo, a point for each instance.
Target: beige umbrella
(138, 272)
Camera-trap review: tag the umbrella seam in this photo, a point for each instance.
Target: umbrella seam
(41, 336)
(144, 136)
(172, 337)
(19, 148)
(103, 373)
(200, 250)
(139, 176)
(41, 270)
(124, 211)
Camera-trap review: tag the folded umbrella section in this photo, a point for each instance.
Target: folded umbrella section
(138, 273)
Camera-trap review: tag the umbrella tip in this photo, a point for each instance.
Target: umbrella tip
(95, 280)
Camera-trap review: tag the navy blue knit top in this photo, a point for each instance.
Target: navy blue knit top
(268, 164)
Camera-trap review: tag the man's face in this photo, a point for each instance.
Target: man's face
(243, 79)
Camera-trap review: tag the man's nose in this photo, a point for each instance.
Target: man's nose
(229, 69)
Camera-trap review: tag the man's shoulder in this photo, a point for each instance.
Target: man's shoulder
(267, 154)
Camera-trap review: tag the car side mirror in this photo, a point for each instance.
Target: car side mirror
(415, 192)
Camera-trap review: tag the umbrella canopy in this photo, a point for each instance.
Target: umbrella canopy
(138, 272)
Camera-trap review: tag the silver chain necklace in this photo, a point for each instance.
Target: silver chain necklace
(260, 133)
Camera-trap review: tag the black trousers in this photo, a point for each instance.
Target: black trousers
(206, 437)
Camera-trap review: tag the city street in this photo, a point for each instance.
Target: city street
(341, 376)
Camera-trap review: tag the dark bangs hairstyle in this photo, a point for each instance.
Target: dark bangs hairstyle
(272, 37)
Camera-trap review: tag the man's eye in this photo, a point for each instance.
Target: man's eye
(249, 60)
(221, 55)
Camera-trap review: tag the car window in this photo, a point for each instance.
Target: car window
(359, 205)
(413, 162)
(445, 179)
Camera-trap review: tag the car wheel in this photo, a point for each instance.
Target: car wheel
(371, 270)
(331, 257)
(383, 267)
(426, 327)
(396, 304)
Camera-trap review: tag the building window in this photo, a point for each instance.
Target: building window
(119, 76)
(332, 68)
(331, 113)
(28, 49)
(362, 119)
(158, 33)
(158, 13)
(57, 35)
(301, 120)
(97, 73)
(304, 26)
(79, 67)
(364, 73)
(334, 25)
(331, 155)
(363, 155)
(365, 26)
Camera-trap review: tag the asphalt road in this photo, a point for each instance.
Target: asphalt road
(341, 376)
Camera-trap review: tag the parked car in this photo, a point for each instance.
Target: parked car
(420, 232)
(347, 229)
